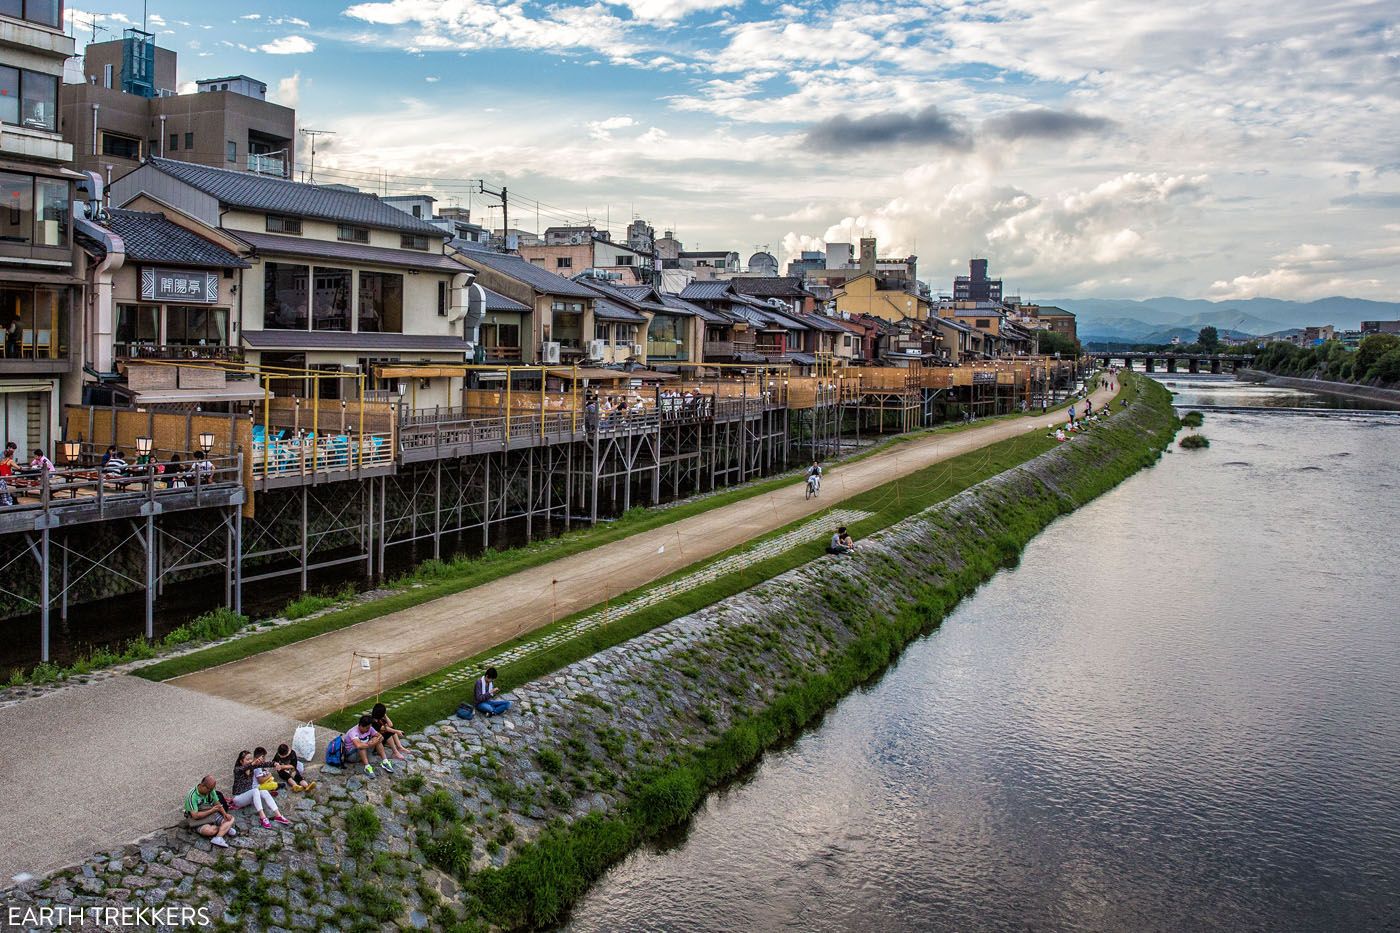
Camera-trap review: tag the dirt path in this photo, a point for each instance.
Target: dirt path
(312, 678)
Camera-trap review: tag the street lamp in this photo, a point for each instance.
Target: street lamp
(72, 450)
(206, 442)
(143, 446)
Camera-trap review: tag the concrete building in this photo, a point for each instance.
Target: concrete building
(339, 281)
(127, 110)
(568, 251)
(976, 286)
(554, 320)
(1380, 327)
(39, 287)
(1318, 335)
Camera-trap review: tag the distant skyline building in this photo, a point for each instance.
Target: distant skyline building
(976, 286)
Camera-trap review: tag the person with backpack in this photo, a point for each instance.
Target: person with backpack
(486, 695)
(246, 791)
(363, 738)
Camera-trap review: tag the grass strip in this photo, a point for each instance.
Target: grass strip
(437, 579)
(887, 504)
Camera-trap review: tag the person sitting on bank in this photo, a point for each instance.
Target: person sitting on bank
(841, 542)
(246, 790)
(487, 694)
(289, 768)
(393, 738)
(205, 813)
(362, 739)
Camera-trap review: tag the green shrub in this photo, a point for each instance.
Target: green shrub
(1194, 442)
(668, 799)
(436, 808)
(1193, 419)
(17, 678)
(550, 761)
(452, 852)
(45, 673)
(361, 828)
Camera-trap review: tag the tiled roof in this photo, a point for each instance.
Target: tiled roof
(706, 291)
(510, 264)
(150, 237)
(349, 252)
(343, 340)
(607, 310)
(821, 322)
(637, 297)
(676, 303)
(278, 195)
(769, 286)
(495, 301)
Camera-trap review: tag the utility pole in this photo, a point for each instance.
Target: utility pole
(505, 205)
(313, 134)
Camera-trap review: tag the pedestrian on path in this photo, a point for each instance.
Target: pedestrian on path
(487, 694)
(246, 791)
(205, 813)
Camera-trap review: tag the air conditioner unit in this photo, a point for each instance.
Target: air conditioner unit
(637, 349)
(596, 348)
(551, 352)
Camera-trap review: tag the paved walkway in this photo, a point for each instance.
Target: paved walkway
(319, 675)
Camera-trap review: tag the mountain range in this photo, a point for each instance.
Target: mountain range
(1156, 320)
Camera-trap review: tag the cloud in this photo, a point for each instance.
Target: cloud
(458, 25)
(288, 92)
(288, 21)
(1042, 123)
(602, 129)
(288, 45)
(1387, 200)
(251, 16)
(926, 127)
(432, 79)
(670, 11)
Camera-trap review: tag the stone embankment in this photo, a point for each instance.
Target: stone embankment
(502, 822)
(1370, 393)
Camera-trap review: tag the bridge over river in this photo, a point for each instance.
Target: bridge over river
(1195, 362)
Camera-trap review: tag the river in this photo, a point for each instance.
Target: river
(1180, 711)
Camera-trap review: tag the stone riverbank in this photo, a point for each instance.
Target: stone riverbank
(504, 821)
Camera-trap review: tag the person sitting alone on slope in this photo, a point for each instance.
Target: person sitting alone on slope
(487, 695)
(205, 813)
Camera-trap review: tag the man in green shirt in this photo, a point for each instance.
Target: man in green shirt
(205, 813)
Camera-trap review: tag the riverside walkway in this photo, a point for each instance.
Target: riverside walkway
(102, 764)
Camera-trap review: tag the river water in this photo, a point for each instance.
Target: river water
(1180, 712)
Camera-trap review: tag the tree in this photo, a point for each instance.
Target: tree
(1371, 350)
(1209, 339)
(1052, 342)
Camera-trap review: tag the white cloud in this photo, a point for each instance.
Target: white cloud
(288, 92)
(288, 21)
(288, 45)
(602, 129)
(672, 10)
(432, 79)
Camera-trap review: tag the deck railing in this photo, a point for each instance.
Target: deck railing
(90, 483)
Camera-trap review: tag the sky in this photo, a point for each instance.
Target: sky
(1110, 148)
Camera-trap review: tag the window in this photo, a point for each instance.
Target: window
(232, 151)
(418, 211)
(564, 262)
(43, 12)
(50, 212)
(174, 142)
(538, 261)
(624, 260)
(279, 223)
(353, 234)
(16, 208)
(286, 296)
(381, 303)
(42, 313)
(196, 327)
(442, 299)
(413, 241)
(601, 330)
(122, 147)
(136, 325)
(983, 323)
(28, 98)
(330, 299)
(107, 76)
(189, 141)
(500, 340)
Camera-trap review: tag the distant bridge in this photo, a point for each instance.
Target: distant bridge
(1217, 362)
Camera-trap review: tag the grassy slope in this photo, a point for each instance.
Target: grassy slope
(475, 571)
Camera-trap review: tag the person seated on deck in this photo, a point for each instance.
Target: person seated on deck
(40, 463)
(486, 694)
(7, 463)
(362, 739)
(205, 813)
(288, 768)
(115, 465)
(393, 738)
(841, 542)
(109, 454)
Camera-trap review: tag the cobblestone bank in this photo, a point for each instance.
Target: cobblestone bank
(402, 851)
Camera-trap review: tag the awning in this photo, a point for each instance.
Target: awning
(38, 278)
(27, 385)
(418, 372)
(197, 396)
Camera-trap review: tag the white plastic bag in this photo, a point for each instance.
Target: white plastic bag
(304, 742)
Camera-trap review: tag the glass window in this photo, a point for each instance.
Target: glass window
(601, 330)
(381, 303)
(123, 147)
(136, 325)
(13, 8)
(50, 212)
(353, 234)
(9, 94)
(44, 12)
(568, 329)
(442, 299)
(286, 296)
(16, 207)
(330, 300)
(276, 223)
(196, 327)
(174, 142)
(232, 151)
(189, 140)
(500, 340)
(35, 322)
(564, 262)
(39, 101)
(413, 240)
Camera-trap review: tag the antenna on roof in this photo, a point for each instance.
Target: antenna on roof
(313, 134)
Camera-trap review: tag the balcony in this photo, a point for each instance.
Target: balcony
(267, 165)
(664, 349)
(718, 348)
(151, 351)
(29, 349)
